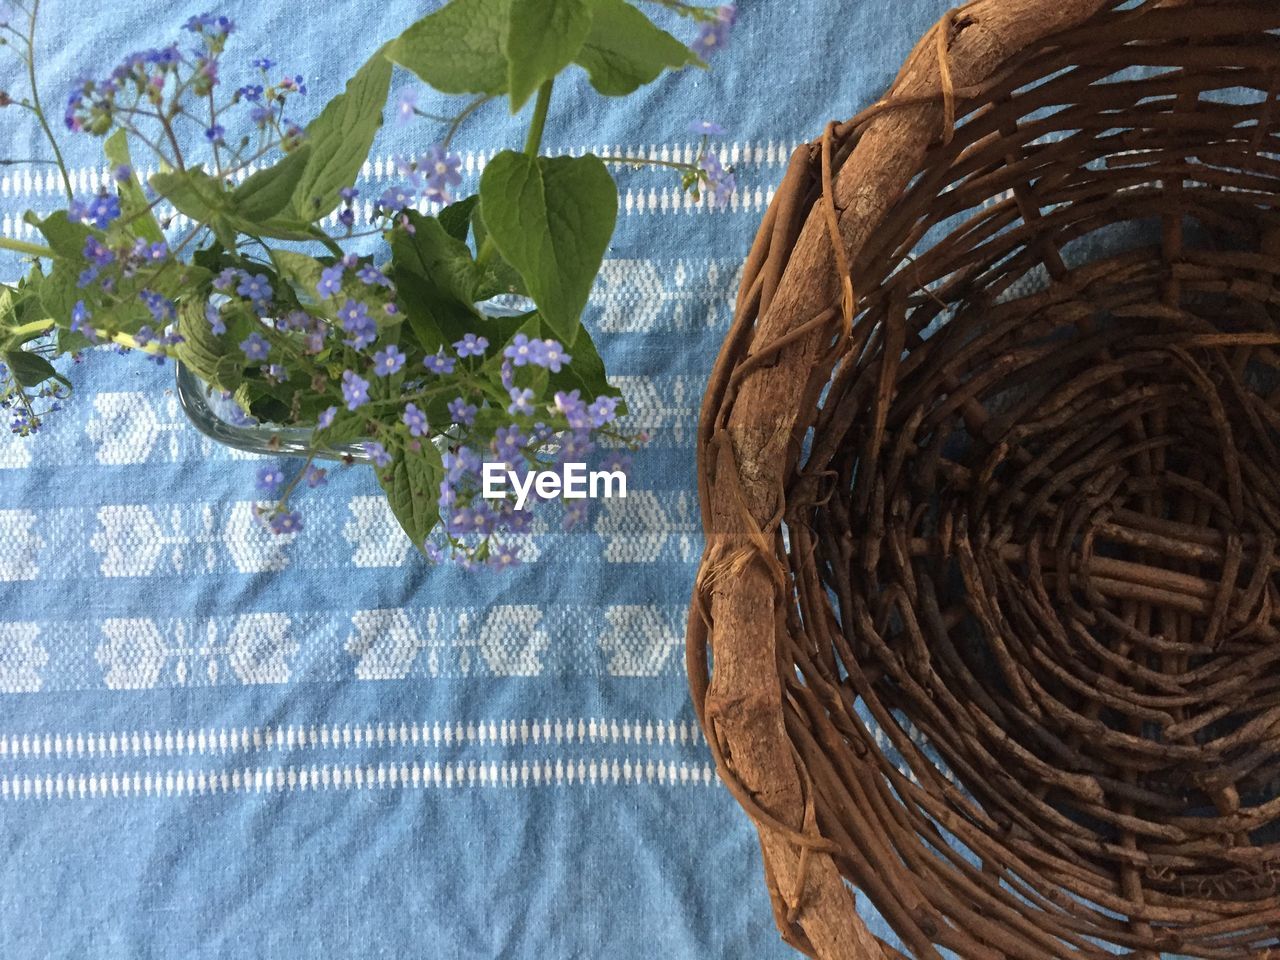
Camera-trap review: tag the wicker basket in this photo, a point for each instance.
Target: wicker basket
(988, 625)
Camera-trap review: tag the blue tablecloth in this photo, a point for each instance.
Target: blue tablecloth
(216, 743)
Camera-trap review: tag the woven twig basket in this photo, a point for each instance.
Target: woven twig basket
(988, 625)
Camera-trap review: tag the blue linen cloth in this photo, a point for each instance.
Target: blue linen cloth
(218, 743)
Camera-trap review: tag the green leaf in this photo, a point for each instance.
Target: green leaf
(30, 369)
(133, 202)
(65, 237)
(625, 51)
(543, 37)
(204, 199)
(298, 269)
(214, 359)
(459, 48)
(267, 192)
(412, 485)
(340, 139)
(551, 219)
(456, 217)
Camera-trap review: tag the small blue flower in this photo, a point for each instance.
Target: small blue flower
(377, 453)
(462, 412)
(522, 350)
(286, 521)
(251, 92)
(713, 35)
(355, 389)
(372, 276)
(270, 480)
(387, 362)
(406, 104)
(439, 363)
(720, 182)
(80, 317)
(255, 347)
(415, 420)
(98, 252)
(442, 170)
(706, 128)
(471, 346)
(255, 287)
(122, 174)
(225, 279)
(316, 476)
(552, 356)
(603, 410)
(216, 134)
(521, 402)
(348, 194)
(100, 210)
(355, 320)
(262, 63)
(504, 556)
(325, 420)
(396, 198)
(330, 281)
(213, 314)
(347, 217)
(162, 308)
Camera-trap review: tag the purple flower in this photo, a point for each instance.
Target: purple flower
(503, 556)
(521, 402)
(348, 194)
(522, 350)
(471, 346)
(551, 356)
(720, 182)
(377, 453)
(372, 276)
(270, 480)
(286, 521)
(97, 251)
(388, 361)
(406, 104)
(214, 315)
(713, 35)
(255, 287)
(255, 347)
(225, 279)
(396, 198)
(262, 63)
(100, 210)
(216, 133)
(440, 363)
(415, 420)
(347, 217)
(508, 442)
(251, 92)
(355, 320)
(442, 172)
(462, 412)
(355, 389)
(162, 308)
(80, 317)
(325, 420)
(706, 128)
(316, 476)
(330, 281)
(603, 410)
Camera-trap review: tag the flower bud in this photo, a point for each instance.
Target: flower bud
(5, 99)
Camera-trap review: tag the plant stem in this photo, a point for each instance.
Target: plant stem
(21, 246)
(531, 144)
(642, 162)
(35, 102)
(539, 122)
(26, 329)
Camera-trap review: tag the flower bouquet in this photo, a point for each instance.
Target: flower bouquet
(428, 332)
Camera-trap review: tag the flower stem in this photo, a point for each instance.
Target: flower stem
(35, 102)
(539, 122)
(24, 331)
(531, 144)
(21, 246)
